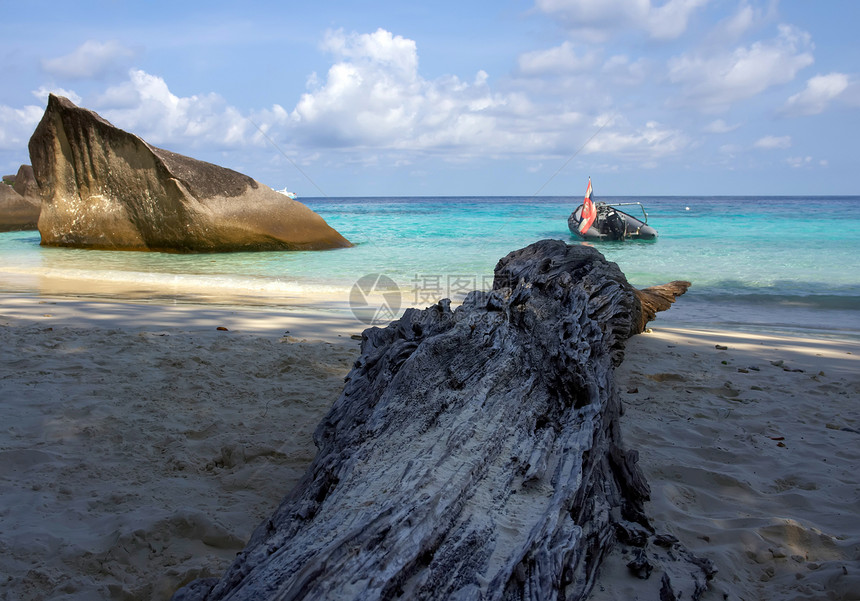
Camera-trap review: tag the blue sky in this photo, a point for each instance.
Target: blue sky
(501, 97)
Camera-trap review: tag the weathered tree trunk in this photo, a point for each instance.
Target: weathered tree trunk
(476, 454)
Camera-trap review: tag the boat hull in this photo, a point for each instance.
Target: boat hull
(611, 224)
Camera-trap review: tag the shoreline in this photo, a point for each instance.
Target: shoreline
(330, 312)
(142, 444)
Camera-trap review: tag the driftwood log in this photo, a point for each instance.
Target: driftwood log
(476, 454)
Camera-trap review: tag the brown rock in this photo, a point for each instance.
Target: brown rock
(25, 184)
(20, 202)
(102, 187)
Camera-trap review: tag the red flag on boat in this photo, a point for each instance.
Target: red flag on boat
(588, 210)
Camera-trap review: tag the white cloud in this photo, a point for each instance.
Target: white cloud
(373, 96)
(90, 60)
(646, 143)
(742, 22)
(144, 105)
(621, 70)
(771, 142)
(738, 24)
(600, 17)
(381, 47)
(43, 92)
(719, 126)
(715, 81)
(816, 97)
(798, 162)
(670, 20)
(554, 61)
(17, 125)
(373, 106)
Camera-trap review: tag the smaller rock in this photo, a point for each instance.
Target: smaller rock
(631, 534)
(665, 540)
(640, 566)
(20, 203)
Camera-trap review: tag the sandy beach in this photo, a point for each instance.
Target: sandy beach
(141, 444)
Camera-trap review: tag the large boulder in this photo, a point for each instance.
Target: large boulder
(20, 202)
(102, 187)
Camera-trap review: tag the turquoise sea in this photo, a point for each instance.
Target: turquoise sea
(755, 262)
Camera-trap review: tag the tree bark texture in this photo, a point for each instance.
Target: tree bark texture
(476, 454)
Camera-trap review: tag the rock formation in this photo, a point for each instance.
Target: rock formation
(20, 202)
(102, 187)
(476, 454)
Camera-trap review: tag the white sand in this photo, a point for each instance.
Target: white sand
(139, 445)
(752, 451)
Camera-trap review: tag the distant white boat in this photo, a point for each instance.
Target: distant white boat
(287, 193)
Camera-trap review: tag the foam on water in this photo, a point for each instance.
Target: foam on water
(767, 261)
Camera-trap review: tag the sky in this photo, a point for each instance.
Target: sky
(459, 98)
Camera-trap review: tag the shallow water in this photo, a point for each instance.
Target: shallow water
(760, 261)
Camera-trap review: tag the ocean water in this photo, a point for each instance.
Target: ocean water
(770, 262)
